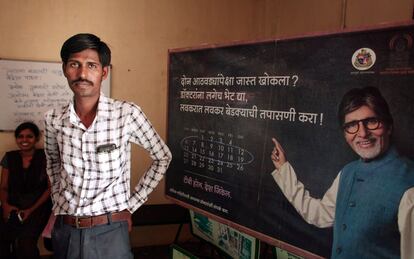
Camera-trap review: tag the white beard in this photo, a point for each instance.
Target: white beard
(369, 153)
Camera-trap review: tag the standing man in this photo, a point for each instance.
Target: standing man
(87, 145)
(371, 202)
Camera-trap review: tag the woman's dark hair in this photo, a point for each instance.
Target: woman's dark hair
(369, 96)
(27, 125)
(82, 41)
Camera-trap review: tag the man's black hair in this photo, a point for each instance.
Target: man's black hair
(83, 41)
(368, 96)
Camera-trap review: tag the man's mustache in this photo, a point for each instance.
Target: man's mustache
(80, 80)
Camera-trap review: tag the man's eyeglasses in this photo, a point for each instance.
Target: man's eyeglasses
(352, 127)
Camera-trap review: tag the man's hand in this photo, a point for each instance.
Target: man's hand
(278, 155)
(25, 214)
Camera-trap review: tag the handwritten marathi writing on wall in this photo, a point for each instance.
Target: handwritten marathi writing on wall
(27, 88)
(30, 92)
(30, 88)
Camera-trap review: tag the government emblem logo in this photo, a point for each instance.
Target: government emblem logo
(363, 58)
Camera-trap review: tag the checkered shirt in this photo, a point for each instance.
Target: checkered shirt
(86, 182)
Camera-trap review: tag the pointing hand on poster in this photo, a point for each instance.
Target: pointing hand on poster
(278, 155)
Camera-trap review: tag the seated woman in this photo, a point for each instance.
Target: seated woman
(24, 195)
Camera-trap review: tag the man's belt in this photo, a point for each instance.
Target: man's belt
(92, 221)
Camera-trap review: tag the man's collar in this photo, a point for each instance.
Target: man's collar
(103, 106)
